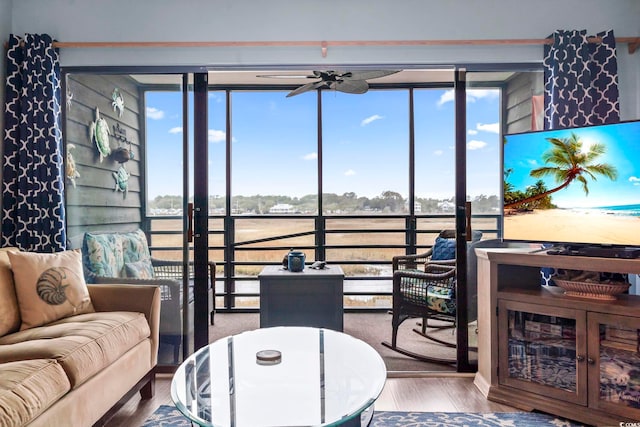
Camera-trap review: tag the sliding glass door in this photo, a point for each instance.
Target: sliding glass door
(224, 166)
(134, 192)
(497, 100)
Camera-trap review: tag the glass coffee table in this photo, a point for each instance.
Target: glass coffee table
(321, 378)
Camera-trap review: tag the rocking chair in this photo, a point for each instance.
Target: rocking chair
(429, 293)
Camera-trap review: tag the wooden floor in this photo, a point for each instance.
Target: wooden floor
(438, 391)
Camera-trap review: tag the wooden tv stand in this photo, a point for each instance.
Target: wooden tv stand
(555, 353)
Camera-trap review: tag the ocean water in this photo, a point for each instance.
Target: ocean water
(622, 210)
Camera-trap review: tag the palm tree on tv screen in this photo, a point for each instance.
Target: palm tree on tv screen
(569, 163)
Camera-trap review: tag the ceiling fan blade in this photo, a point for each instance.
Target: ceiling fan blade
(367, 75)
(351, 86)
(287, 76)
(306, 88)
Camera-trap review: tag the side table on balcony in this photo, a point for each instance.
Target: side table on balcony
(307, 298)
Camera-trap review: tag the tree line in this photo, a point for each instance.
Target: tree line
(389, 202)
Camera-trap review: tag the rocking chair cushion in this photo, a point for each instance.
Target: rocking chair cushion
(413, 290)
(441, 305)
(442, 292)
(441, 299)
(444, 249)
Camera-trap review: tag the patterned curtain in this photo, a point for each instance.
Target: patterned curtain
(580, 87)
(581, 80)
(33, 217)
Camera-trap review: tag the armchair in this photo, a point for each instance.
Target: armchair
(124, 258)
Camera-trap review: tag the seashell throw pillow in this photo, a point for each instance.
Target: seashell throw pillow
(49, 287)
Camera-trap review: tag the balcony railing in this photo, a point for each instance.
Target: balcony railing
(362, 245)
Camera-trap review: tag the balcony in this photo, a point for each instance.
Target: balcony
(362, 245)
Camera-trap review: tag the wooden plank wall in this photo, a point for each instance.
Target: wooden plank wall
(519, 90)
(93, 204)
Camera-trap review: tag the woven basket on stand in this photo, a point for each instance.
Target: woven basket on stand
(593, 290)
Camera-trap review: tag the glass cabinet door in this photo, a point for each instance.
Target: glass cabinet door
(614, 363)
(542, 350)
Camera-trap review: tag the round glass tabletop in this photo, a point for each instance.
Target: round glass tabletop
(281, 376)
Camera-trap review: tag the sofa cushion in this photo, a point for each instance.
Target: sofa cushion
(49, 286)
(83, 344)
(9, 311)
(28, 388)
(105, 254)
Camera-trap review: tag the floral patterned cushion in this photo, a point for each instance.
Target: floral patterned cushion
(134, 246)
(101, 255)
(105, 254)
(139, 270)
(441, 299)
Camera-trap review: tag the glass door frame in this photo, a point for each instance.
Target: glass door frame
(461, 211)
(200, 210)
(463, 208)
(184, 76)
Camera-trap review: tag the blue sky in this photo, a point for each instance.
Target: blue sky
(365, 140)
(523, 152)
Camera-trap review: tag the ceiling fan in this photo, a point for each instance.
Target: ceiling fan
(347, 82)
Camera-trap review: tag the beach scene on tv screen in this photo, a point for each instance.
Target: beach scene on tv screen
(578, 185)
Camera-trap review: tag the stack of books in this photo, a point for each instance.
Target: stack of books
(622, 339)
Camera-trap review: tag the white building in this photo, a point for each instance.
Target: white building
(282, 208)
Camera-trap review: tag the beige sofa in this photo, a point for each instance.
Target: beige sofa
(76, 371)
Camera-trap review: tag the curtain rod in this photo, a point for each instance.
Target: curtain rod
(633, 43)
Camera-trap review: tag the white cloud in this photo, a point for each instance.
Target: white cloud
(154, 113)
(445, 97)
(310, 156)
(438, 153)
(370, 119)
(472, 95)
(473, 132)
(217, 135)
(475, 94)
(474, 144)
(213, 134)
(634, 179)
(489, 127)
(532, 162)
(349, 172)
(217, 97)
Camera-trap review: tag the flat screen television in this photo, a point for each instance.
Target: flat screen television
(576, 186)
